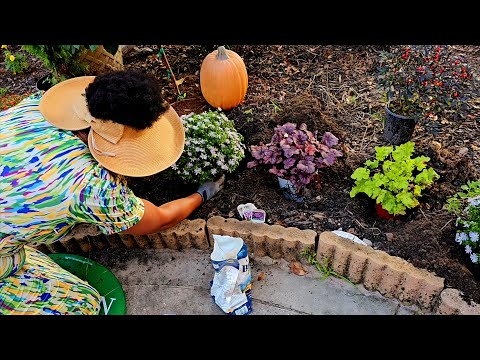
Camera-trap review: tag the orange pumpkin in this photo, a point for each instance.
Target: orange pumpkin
(223, 79)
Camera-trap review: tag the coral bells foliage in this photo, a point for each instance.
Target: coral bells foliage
(426, 82)
(295, 154)
(212, 147)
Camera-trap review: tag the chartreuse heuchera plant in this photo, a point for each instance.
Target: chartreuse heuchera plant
(394, 179)
(295, 154)
(466, 204)
(212, 147)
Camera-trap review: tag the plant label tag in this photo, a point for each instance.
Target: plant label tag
(244, 210)
(258, 216)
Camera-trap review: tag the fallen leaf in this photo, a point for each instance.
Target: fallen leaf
(180, 81)
(231, 214)
(297, 268)
(475, 148)
(437, 145)
(261, 276)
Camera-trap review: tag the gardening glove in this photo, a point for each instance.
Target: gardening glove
(210, 188)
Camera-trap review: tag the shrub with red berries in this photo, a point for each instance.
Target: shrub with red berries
(427, 82)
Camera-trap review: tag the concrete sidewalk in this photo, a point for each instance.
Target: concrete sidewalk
(166, 281)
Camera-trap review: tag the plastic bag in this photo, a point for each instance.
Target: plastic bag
(231, 287)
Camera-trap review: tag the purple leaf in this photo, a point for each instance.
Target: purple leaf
(306, 166)
(252, 164)
(329, 139)
(288, 163)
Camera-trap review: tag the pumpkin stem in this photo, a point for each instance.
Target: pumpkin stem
(222, 53)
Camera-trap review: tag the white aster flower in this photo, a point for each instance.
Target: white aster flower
(474, 258)
(190, 164)
(461, 237)
(203, 156)
(197, 171)
(468, 249)
(473, 236)
(213, 171)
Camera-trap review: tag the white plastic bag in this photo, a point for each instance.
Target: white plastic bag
(231, 288)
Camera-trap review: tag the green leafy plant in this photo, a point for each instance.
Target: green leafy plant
(3, 91)
(456, 203)
(324, 267)
(64, 61)
(426, 82)
(394, 179)
(212, 147)
(15, 62)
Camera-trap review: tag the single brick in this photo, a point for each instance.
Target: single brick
(374, 272)
(450, 302)
(128, 240)
(409, 287)
(391, 279)
(115, 241)
(100, 241)
(142, 241)
(186, 234)
(341, 259)
(56, 247)
(274, 237)
(357, 266)
(157, 241)
(85, 244)
(429, 291)
(71, 245)
(42, 248)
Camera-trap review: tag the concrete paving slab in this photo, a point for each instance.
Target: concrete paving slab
(178, 282)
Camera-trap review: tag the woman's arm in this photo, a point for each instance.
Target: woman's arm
(157, 218)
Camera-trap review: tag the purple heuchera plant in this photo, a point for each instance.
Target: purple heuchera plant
(295, 154)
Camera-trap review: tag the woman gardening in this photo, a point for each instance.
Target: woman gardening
(61, 157)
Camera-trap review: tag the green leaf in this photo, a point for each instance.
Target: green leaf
(389, 203)
(382, 152)
(92, 47)
(372, 164)
(360, 174)
(417, 190)
(426, 177)
(404, 151)
(421, 162)
(407, 199)
(247, 112)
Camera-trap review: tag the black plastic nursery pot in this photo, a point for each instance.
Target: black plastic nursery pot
(44, 82)
(398, 129)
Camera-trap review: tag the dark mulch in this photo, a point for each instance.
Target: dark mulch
(330, 88)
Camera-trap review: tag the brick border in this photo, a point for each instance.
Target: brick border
(378, 271)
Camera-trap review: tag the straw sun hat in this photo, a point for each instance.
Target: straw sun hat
(121, 149)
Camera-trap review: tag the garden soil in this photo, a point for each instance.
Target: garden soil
(330, 88)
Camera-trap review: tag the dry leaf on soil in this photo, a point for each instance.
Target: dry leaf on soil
(297, 268)
(261, 276)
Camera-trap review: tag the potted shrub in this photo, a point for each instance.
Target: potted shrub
(423, 84)
(295, 156)
(212, 147)
(466, 205)
(395, 179)
(66, 61)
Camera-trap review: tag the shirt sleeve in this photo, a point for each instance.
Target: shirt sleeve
(104, 199)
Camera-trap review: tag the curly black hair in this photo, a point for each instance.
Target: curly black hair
(127, 97)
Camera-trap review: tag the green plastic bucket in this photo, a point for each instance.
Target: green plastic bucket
(97, 275)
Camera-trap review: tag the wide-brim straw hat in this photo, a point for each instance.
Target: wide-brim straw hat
(121, 149)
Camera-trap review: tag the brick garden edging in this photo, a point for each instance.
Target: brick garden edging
(375, 269)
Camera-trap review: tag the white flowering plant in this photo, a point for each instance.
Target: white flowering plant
(468, 229)
(212, 147)
(466, 205)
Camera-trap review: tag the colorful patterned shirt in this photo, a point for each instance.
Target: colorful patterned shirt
(49, 182)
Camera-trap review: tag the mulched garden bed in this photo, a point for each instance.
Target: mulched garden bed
(330, 88)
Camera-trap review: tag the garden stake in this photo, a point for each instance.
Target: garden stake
(163, 56)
